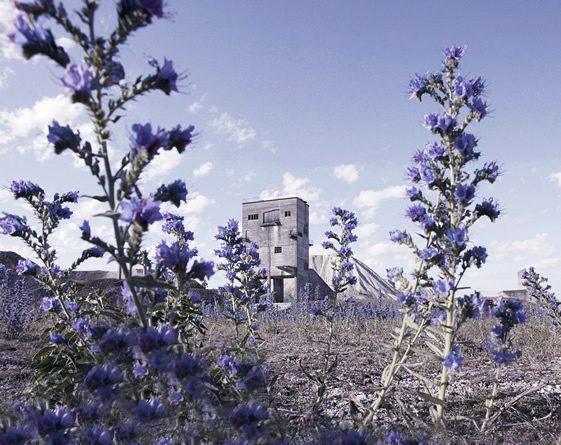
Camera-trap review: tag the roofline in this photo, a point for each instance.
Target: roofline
(250, 201)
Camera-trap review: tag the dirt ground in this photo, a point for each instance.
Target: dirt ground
(534, 418)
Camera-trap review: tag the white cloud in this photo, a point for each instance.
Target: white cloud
(203, 169)
(21, 123)
(556, 177)
(539, 246)
(371, 199)
(237, 130)
(4, 75)
(196, 204)
(346, 172)
(293, 186)
(365, 230)
(5, 195)
(162, 164)
(195, 107)
(65, 42)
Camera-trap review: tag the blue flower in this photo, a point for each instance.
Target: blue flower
(465, 143)
(140, 211)
(94, 252)
(96, 435)
(79, 81)
(394, 273)
(413, 193)
(454, 361)
(399, 236)
(55, 421)
(454, 53)
(434, 150)
(201, 270)
(416, 212)
(165, 78)
(176, 192)
(489, 209)
(462, 88)
(63, 138)
(26, 267)
(142, 138)
(26, 190)
(82, 325)
(139, 371)
(428, 254)
(174, 257)
(57, 338)
(417, 86)
(476, 255)
(457, 236)
(479, 108)
(56, 211)
(179, 139)
(86, 230)
(464, 193)
(439, 122)
(36, 40)
(50, 304)
(151, 409)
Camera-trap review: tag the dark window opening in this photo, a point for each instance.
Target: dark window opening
(300, 234)
(278, 249)
(253, 217)
(271, 217)
(287, 213)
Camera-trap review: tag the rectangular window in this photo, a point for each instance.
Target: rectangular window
(271, 217)
(253, 217)
(287, 213)
(278, 249)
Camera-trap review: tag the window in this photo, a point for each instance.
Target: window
(271, 217)
(287, 213)
(278, 249)
(253, 217)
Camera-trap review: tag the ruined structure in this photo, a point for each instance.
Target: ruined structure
(281, 229)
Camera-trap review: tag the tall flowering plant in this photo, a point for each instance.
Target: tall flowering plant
(241, 265)
(444, 206)
(338, 243)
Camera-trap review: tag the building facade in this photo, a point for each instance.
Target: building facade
(281, 229)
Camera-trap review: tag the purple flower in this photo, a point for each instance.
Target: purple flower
(454, 53)
(416, 212)
(56, 211)
(174, 257)
(427, 172)
(94, 252)
(140, 211)
(394, 273)
(476, 255)
(489, 209)
(26, 189)
(428, 254)
(470, 306)
(489, 172)
(457, 236)
(53, 421)
(443, 286)
(13, 225)
(434, 150)
(413, 174)
(69, 197)
(50, 304)
(82, 325)
(201, 270)
(151, 409)
(462, 88)
(407, 299)
(86, 230)
(179, 139)
(464, 193)
(176, 192)
(399, 236)
(97, 435)
(165, 78)
(143, 139)
(413, 193)
(248, 419)
(465, 143)
(79, 81)
(63, 138)
(26, 267)
(439, 122)
(479, 107)
(454, 361)
(417, 86)
(139, 371)
(36, 40)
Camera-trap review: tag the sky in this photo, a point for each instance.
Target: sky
(309, 98)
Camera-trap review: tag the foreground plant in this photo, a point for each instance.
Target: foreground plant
(444, 206)
(326, 310)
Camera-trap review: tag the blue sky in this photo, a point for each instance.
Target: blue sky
(309, 98)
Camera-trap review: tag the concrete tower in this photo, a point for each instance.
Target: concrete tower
(281, 229)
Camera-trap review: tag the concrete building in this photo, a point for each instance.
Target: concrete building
(281, 229)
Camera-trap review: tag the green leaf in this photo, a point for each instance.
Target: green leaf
(431, 398)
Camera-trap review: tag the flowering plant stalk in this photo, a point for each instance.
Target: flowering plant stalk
(326, 310)
(245, 282)
(540, 292)
(443, 193)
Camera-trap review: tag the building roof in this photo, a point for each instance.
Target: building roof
(255, 200)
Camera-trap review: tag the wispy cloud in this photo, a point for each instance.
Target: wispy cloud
(346, 172)
(203, 169)
(556, 177)
(293, 186)
(370, 200)
(4, 76)
(237, 130)
(162, 164)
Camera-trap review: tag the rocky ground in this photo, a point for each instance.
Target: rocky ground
(529, 392)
